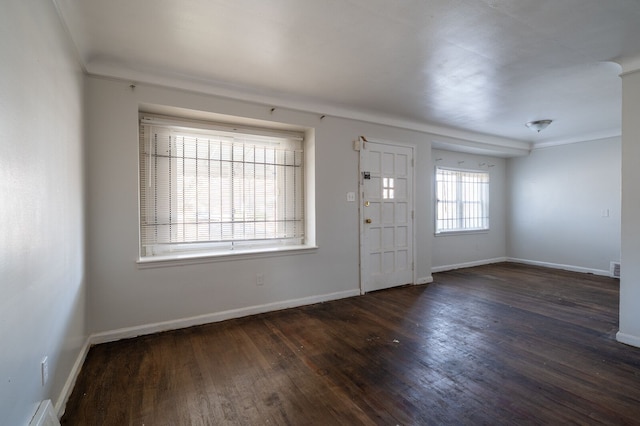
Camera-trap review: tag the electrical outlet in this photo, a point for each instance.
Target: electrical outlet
(44, 370)
(259, 279)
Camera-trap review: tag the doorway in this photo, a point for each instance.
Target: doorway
(386, 215)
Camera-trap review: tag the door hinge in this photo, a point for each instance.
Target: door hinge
(412, 162)
(412, 264)
(412, 212)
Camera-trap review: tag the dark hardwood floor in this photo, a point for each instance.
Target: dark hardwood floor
(498, 344)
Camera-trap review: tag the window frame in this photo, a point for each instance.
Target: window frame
(213, 250)
(459, 202)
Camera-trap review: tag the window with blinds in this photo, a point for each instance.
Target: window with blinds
(462, 200)
(213, 189)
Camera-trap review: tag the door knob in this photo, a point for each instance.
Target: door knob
(367, 220)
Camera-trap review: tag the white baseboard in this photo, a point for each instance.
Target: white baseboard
(65, 393)
(561, 266)
(45, 416)
(128, 332)
(468, 264)
(628, 339)
(424, 280)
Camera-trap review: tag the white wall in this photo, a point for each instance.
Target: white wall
(42, 273)
(122, 295)
(461, 250)
(630, 266)
(557, 198)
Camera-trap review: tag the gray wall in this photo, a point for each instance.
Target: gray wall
(123, 295)
(558, 202)
(583, 179)
(42, 271)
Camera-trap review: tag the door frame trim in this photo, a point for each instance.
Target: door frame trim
(362, 141)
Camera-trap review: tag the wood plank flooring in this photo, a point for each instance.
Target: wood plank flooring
(498, 344)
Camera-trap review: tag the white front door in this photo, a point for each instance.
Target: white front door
(386, 214)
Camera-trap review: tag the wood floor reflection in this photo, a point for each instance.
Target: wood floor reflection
(497, 344)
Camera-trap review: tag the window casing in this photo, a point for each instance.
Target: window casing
(211, 190)
(462, 200)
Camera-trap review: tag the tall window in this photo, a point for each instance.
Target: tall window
(462, 200)
(208, 188)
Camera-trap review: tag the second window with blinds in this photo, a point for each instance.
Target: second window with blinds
(462, 200)
(208, 189)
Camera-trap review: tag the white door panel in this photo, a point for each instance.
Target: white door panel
(386, 249)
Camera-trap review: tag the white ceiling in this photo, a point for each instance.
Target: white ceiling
(484, 66)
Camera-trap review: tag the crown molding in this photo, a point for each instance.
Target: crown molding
(610, 134)
(629, 65)
(215, 88)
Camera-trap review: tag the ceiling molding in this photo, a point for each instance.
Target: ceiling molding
(614, 133)
(629, 65)
(471, 147)
(107, 70)
(64, 11)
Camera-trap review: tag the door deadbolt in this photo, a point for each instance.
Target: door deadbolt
(366, 204)
(367, 220)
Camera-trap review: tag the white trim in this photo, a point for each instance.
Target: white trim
(129, 332)
(629, 65)
(468, 264)
(447, 143)
(460, 232)
(628, 339)
(44, 415)
(572, 268)
(196, 258)
(608, 134)
(362, 142)
(386, 142)
(71, 28)
(150, 77)
(424, 280)
(65, 393)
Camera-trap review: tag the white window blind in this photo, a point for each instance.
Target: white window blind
(203, 189)
(462, 200)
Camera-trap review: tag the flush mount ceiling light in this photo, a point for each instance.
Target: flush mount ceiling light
(538, 125)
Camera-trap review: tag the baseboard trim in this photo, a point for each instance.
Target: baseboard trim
(45, 416)
(424, 280)
(65, 393)
(561, 266)
(628, 339)
(468, 264)
(129, 332)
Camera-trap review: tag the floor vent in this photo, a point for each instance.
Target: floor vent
(614, 269)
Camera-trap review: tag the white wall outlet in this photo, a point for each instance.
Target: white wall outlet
(351, 197)
(44, 370)
(259, 279)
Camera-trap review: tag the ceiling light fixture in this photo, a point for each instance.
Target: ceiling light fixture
(538, 125)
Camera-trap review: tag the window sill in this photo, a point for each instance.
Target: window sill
(452, 233)
(220, 256)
